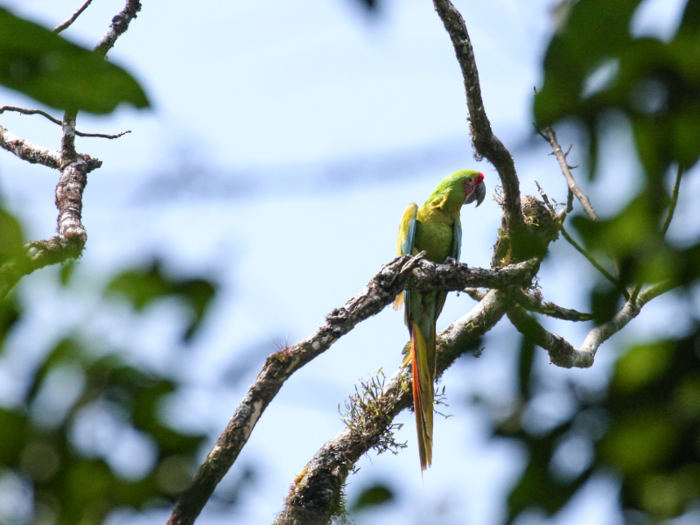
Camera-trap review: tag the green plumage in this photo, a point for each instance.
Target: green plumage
(436, 229)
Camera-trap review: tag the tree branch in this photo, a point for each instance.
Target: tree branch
(118, 27)
(574, 188)
(406, 272)
(60, 123)
(561, 352)
(27, 151)
(31, 112)
(74, 170)
(535, 304)
(65, 25)
(314, 496)
(485, 143)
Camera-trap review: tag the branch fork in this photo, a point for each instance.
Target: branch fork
(74, 167)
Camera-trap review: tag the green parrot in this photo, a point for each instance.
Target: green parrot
(435, 228)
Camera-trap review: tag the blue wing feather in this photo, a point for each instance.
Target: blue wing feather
(456, 239)
(407, 237)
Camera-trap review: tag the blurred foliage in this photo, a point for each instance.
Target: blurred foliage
(593, 67)
(81, 402)
(142, 287)
(643, 429)
(11, 236)
(43, 65)
(372, 496)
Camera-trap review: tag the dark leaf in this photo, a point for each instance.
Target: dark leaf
(60, 74)
(372, 496)
(11, 237)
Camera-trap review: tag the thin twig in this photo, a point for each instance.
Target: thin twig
(667, 222)
(674, 201)
(576, 245)
(566, 170)
(60, 123)
(102, 135)
(545, 197)
(535, 304)
(561, 352)
(65, 25)
(31, 112)
(595, 264)
(404, 272)
(485, 143)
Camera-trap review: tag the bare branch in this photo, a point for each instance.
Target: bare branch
(31, 112)
(68, 153)
(65, 25)
(561, 352)
(314, 494)
(404, 272)
(485, 143)
(475, 294)
(566, 170)
(535, 304)
(74, 170)
(120, 24)
(576, 245)
(60, 123)
(27, 151)
(103, 135)
(69, 201)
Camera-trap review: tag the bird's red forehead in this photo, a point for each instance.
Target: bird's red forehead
(480, 178)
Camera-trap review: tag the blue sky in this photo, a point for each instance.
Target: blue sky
(285, 141)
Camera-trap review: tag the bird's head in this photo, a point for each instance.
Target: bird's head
(468, 181)
(460, 188)
(474, 187)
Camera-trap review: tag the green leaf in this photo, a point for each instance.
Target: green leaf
(11, 236)
(596, 32)
(372, 496)
(60, 74)
(15, 432)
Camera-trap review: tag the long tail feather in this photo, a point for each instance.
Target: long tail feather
(423, 394)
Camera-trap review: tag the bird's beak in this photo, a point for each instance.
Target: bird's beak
(478, 195)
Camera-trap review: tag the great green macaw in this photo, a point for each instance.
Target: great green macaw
(434, 227)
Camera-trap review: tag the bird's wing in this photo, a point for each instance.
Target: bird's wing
(407, 236)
